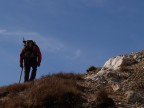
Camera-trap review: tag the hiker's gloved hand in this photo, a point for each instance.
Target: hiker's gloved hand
(21, 65)
(38, 64)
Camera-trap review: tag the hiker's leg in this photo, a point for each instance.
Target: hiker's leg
(27, 71)
(33, 74)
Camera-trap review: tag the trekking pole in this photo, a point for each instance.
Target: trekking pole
(20, 75)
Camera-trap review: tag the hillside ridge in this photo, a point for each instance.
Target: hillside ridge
(118, 84)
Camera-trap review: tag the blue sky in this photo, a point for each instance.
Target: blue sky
(72, 34)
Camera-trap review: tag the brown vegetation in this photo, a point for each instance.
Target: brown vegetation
(54, 91)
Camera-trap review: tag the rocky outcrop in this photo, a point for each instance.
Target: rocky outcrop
(123, 77)
(124, 60)
(119, 61)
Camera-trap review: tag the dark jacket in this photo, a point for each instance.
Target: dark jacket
(36, 52)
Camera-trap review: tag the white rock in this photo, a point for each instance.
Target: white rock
(118, 61)
(114, 63)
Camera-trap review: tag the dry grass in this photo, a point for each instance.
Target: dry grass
(15, 87)
(54, 91)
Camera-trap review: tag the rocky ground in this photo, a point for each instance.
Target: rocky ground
(122, 79)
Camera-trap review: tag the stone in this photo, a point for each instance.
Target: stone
(133, 97)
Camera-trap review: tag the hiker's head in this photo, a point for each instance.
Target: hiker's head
(29, 43)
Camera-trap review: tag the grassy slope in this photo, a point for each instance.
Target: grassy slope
(55, 91)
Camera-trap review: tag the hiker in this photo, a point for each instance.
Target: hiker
(31, 56)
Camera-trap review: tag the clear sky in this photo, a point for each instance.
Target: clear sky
(72, 34)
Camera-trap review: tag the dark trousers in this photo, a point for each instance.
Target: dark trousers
(27, 76)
